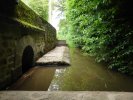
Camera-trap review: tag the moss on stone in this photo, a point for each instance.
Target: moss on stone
(24, 13)
(17, 30)
(28, 25)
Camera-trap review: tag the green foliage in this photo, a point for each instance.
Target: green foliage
(39, 6)
(104, 29)
(63, 30)
(60, 5)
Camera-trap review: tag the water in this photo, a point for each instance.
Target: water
(36, 79)
(84, 74)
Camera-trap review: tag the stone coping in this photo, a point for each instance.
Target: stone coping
(65, 95)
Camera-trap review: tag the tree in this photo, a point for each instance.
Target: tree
(60, 6)
(104, 29)
(39, 6)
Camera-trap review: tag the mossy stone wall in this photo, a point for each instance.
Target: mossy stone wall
(19, 29)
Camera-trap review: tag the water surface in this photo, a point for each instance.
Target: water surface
(36, 79)
(85, 74)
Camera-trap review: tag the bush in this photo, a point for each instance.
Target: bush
(104, 29)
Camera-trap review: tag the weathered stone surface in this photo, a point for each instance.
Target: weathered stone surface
(19, 29)
(81, 95)
(59, 55)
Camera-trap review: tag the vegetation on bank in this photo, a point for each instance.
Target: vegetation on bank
(39, 6)
(101, 28)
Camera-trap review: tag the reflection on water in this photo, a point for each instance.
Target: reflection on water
(54, 86)
(36, 79)
(85, 74)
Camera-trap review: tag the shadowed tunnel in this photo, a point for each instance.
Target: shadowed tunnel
(27, 59)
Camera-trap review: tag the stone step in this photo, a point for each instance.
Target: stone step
(61, 43)
(60, 95)
(58, 56)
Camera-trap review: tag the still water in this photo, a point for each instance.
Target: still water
(84, 74)
(36, 79)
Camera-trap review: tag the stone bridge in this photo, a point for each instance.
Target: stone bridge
(24, 37)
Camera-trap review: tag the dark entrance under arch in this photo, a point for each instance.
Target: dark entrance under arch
(27, 59)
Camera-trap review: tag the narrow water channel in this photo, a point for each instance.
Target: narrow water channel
(84, 74)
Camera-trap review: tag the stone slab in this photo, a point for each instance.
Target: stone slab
(58, 56)
(61, 43)
(60, 95)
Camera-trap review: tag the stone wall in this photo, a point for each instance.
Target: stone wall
(24, 37)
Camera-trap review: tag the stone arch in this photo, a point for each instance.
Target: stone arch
(27, 58)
